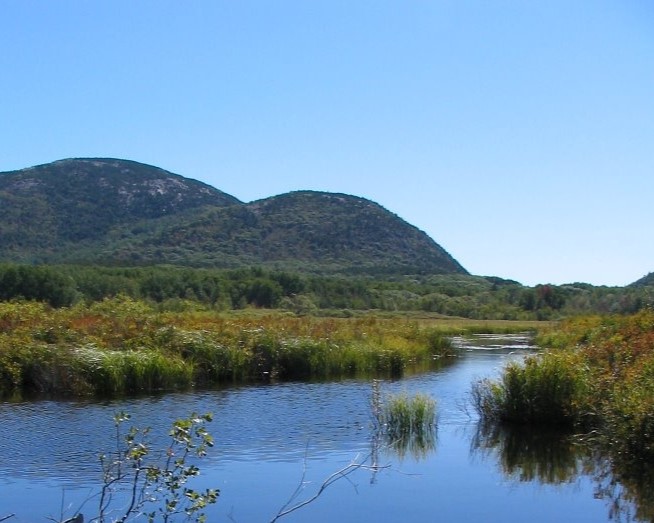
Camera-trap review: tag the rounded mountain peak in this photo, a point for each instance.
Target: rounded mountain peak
(83, 198)
(333, 227)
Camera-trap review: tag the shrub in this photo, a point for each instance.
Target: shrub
(600, 377)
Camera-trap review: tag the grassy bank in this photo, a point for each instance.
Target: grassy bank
(597, 376)
(123, 346)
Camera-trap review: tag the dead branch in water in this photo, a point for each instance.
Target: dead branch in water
(339, 474)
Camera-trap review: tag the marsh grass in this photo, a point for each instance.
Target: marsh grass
(406, 422)
(599, 379)
(123, 346)
(404, 415)
(544, 390)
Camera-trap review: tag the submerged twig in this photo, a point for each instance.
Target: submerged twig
(300, 484)
(339, 474)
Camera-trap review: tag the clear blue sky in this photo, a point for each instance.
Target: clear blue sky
(518, 134)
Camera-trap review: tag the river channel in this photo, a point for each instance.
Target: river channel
(270, 438)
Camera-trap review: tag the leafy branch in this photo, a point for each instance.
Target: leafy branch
(141, 481)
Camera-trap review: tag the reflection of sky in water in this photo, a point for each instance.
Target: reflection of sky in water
(266, 434)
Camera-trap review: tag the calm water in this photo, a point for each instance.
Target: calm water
(266, 436)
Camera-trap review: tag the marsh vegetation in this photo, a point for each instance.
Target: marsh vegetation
(121, 346)
(596, 380)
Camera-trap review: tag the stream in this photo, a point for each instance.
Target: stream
(270, 439)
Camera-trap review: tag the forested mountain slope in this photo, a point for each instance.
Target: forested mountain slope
(647, 280)
(47, 206)
(109, 211)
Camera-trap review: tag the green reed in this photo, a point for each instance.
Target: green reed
(544, 390)
(405, 415)
(402, 415)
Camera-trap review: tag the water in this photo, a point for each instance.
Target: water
(269, 438)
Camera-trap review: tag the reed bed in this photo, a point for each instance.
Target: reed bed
(122, 346)
(599, 377)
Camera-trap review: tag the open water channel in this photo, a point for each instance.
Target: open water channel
(269, 438)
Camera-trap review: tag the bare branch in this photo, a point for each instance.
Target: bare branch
(300, 484)
(339, 474)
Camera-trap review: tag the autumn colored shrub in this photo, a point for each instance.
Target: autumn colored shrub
(599, 377)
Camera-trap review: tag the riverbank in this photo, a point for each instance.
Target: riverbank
(597, 376)
(123, 346)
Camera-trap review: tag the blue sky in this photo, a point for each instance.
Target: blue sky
(519, 135)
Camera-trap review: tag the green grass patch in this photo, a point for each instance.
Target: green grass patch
(404, 415)
(405, 423)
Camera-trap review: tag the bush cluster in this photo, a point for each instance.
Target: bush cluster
(180, 288)
(599, 377)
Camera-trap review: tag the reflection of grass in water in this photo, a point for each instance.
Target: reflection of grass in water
(555, 456)
(628, 494)
(532, 454)
(418, 445)
(406, 422)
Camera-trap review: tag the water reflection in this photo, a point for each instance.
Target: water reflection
(554, 457)
(418, 445)
(528, 454)
(626, 487)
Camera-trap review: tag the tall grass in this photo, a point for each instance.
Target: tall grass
(407, 422)
(545, 390)
(600, 377)
(123, 346)
(404, 415)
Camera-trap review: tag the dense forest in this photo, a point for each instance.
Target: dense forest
(181, 288)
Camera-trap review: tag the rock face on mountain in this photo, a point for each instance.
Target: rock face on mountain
(83, 199)
(113, 211)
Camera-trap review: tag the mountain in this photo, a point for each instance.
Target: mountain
(645, 281)
(45, 207)
(328, 227)
(110, 211)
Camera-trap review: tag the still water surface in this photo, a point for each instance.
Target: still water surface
(267, 435)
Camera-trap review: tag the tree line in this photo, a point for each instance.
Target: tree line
(172, 288)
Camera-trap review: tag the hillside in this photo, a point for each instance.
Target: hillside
(47, 207)
(645, 281)
(109, 211)
(329, 227)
